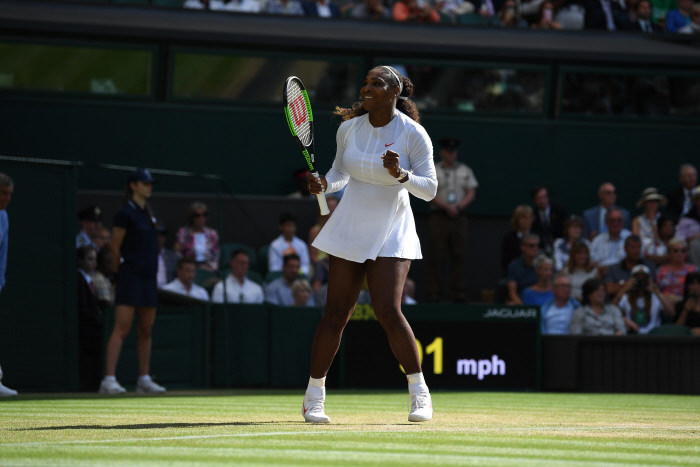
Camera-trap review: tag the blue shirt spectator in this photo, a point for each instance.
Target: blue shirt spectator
(676, 19)
(533, 297)
(556, 319)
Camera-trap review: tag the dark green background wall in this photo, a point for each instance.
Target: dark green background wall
(251, 149)
(38, 324)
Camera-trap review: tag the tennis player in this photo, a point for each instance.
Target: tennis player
(383, 154)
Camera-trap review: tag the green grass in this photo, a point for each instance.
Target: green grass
(367, 428)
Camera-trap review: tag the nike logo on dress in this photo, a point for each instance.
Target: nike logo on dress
(387, 145)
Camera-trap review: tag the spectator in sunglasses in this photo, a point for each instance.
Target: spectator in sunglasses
(197, 241)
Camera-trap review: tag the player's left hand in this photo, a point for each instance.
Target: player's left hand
(391, 163)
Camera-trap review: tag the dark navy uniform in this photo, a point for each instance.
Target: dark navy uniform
(136, 281)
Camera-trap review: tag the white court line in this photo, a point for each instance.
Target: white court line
(283, 433)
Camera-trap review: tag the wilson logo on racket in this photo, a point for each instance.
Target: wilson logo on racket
(298, 107)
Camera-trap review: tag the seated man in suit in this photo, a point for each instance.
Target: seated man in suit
(321, 9)
(548, 222)
(680, 200)
(643, 22)
(594, 218)
(605, 14)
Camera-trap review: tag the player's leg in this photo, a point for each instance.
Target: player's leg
(123, 316)
(144, 343)
(344, 283)
(386, 277)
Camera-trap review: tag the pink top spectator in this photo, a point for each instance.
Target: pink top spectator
(672, 282)
(187, 245)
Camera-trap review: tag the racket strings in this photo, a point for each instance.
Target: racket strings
(299, 115)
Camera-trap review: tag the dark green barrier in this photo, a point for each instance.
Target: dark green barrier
(38, 318)
(475, 347)
(291, 335)
(240, 345)
(180, 356)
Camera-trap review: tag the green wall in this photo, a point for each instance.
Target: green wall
(38, 321)
(251, 149)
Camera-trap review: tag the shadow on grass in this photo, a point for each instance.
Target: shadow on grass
(151, 426)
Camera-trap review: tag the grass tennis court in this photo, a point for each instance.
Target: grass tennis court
(368, 428)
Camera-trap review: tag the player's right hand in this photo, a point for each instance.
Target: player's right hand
(317, 186)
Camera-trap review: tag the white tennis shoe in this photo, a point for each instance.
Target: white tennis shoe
(111, 387)
(420, 407)
(149, 386)
(313, 410)
(5, 391)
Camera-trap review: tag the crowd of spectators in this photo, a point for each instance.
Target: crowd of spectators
(191, 272)
(607, 272)
(646, 16)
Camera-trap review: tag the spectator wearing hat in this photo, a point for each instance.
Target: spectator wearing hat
(642, 302)
(167, 258)
(688, 227)
(198, 241)
(549, 219)
(572, 234)
(135, 261)
(644, 224)
(619, 273)
(671, 276)
(594, 218)
(448, 222)
(680, 198)
(90, 218)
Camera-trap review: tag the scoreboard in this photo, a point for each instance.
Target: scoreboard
(474, 347)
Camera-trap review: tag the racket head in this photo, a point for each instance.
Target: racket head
(297, 109)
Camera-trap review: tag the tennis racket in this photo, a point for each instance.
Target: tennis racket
(301, 123)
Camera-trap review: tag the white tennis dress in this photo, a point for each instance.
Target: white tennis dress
(374, 216)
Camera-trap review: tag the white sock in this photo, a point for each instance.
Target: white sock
(110, 378)
(145, 378)
(317, 388)
(416, 383)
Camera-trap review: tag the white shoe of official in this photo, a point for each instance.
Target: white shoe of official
(5, 391)
(313, 411)
(420, 406)
(149, 387)
(111, 387)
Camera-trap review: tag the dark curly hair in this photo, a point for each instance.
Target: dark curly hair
(404, 105)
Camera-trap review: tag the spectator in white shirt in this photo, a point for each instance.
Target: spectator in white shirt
(286, 244)
(239, 289)
(609, 248)
(184, 282)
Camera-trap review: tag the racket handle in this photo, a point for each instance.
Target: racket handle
(322, 204)
(321, 198)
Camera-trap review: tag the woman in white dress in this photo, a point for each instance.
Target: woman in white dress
(383, 154)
